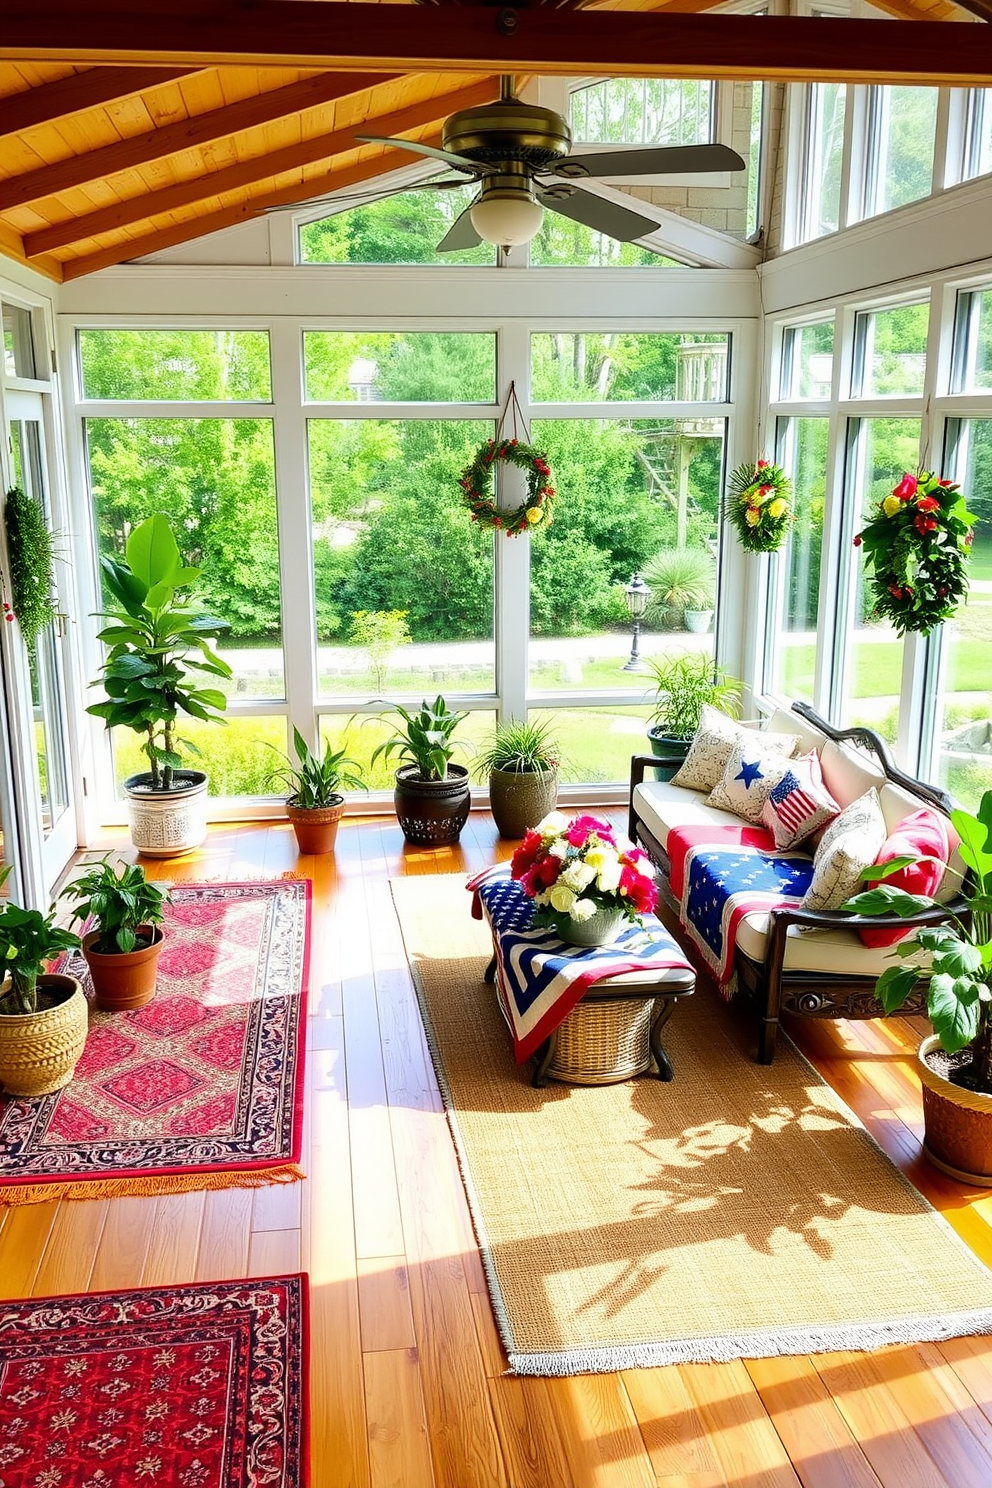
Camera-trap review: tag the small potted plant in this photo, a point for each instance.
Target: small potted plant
(315, 805)
(156, 643)
(432, 795)
(43, 1015)
(521, 762)
(683, 685)
(122, 948)
(954, 960)
(683, 584)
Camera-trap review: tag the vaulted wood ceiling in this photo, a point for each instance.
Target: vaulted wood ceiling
(132, 144)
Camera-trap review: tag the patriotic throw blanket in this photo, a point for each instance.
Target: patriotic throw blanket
(721, 874)
(539, 978)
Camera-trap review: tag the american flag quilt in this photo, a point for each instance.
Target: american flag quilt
(538, 977)
(719, 875)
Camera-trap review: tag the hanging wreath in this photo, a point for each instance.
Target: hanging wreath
(758, 505)
(477, 487)
(31, 555)
(917, 546)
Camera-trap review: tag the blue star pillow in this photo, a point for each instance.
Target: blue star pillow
(752, 772)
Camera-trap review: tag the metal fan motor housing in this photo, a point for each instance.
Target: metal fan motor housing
(508, 131)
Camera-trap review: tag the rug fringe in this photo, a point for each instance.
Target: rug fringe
(15, 1196)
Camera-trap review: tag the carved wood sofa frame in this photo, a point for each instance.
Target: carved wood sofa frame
(775, 988)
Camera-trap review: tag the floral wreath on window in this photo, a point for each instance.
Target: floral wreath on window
(757, 505)
(917, 547)
(477, 479)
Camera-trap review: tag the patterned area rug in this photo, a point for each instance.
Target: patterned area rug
(740, 1211)
(201, 1088)
(194, 1387)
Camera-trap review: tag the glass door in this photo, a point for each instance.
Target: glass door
(49, 784)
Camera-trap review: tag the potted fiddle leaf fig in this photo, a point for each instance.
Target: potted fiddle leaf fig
(432, 795)
(521, 762)
(43, 1015)
(954, 961)
(122, 948)
(316, 805)
(158, 642)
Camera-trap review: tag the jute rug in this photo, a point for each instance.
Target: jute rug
(186, 1387)
(740, 1211)
(202, 1087)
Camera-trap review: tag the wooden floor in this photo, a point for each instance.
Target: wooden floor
(408, 1389)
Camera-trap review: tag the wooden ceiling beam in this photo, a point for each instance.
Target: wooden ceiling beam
(84, 90)
(184, 134)
(407, 38)
(246, 173)
(196, 227)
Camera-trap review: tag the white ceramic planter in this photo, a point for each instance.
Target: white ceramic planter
(166, 823)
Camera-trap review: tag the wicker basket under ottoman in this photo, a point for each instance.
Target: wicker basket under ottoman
(601, 1042)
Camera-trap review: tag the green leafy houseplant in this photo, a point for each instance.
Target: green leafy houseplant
(959, 972)
(120, 903)
(683, 684)
(155, 640)
(521, 747)
(31, 553)
(424, 740)
(315, 781)
(28, 939)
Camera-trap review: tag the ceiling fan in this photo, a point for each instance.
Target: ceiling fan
(518, 154)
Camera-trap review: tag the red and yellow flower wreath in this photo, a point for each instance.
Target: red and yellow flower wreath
(477, 487)
(917, 545)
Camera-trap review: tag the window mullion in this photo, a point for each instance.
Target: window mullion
(293, 517)
(512, 557)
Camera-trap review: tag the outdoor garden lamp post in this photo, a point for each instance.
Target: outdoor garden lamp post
(637, 595)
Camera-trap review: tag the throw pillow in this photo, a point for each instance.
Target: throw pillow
(753, 769)
(799, 804)
(850, 843)
(710, 749)
(923, 832)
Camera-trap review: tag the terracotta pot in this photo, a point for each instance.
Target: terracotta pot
(316, 828)
(957, 1122)
(123, 979)
(39, 1051)
(432, 812)
(167, 823)
(520, 798)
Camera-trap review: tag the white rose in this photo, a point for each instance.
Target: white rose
(608, 878)
(577, 875)
(553, 824)
(583, 909)
(558, 849)
(562, 898)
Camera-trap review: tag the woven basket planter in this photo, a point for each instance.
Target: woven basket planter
(519, 799)
(957, 1122)
(39, 1051)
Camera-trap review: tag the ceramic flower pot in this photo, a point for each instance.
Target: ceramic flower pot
(39, 1051)
(166, 823)
(519, 799)
(316, 828)
(123, 979)
(957, 1121)
(432, 812)
(601, 928)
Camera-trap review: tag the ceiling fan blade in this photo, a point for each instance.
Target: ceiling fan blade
(461, 234)
(456, 162)
(602, 216)
(659, 160)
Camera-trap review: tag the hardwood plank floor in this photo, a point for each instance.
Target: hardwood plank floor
(408, 1382)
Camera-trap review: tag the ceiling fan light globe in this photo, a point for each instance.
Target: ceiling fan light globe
(507, 219)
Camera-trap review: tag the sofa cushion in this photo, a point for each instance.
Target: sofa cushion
(753, 768)
(850, 844)
(847, 774)
(799, 804)
(924, 832)
(829, 951)
(710, 749)
(784, 721)
(661, 805)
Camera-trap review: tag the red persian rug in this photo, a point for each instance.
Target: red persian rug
(175, 1387)
(202, 1087)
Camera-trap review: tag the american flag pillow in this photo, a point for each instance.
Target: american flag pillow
(799, 804)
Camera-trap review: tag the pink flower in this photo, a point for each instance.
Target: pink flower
(907, 487)
(580, 828)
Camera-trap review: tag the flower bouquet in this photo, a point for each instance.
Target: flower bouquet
(917, 544)
(758, 505)
(581, 881)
